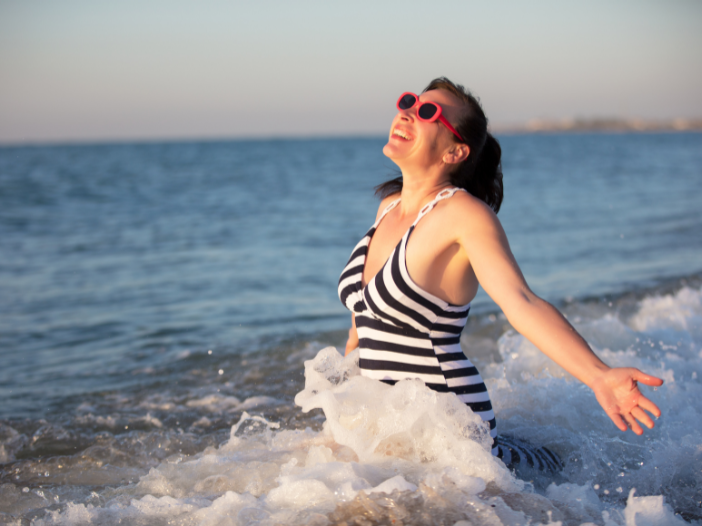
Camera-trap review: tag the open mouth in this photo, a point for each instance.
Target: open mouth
(401, 135)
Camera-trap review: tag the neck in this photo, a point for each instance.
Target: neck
(418, 190)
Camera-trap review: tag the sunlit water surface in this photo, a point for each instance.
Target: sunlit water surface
(162, 303)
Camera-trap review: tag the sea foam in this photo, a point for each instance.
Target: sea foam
(404, 454)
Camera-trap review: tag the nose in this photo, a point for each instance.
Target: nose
(407, 115)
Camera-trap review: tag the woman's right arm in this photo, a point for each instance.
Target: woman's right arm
(352, 342)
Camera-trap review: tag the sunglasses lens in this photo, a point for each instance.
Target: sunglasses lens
(407, 101)
(427, 110)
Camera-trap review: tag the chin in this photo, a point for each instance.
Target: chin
(390, 150)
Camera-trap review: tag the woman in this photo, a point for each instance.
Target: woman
(410, 280)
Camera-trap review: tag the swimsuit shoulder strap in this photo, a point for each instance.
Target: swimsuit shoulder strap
(387, 209)
(444, 194)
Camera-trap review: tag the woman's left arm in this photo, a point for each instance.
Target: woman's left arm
(487, 249)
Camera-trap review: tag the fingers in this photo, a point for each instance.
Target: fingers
(633, 424)
(642, 417)
(649, 406)
(647, 379)
(618, 421)
(624, 403)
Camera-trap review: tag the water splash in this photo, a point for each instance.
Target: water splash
(371, 452)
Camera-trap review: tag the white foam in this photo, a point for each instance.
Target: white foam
(397, 483)
(649, 511)
(10, 443)
(151, 420)
(681, 311)
(396, 452)
(215, 403)
(256, 401)
(99, 420)
(407, 421)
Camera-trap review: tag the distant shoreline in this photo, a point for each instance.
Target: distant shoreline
(607, 124)
(534, 126)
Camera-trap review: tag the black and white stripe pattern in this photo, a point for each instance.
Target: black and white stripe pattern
(521, 456)
(406, 332)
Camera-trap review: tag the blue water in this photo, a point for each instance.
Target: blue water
(122, 265)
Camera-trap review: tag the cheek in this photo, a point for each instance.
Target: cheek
(433, 141)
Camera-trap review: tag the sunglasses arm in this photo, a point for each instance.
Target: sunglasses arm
(446, 123)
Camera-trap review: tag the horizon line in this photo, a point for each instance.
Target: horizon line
(532, 126)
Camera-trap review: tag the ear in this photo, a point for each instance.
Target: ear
(457, 154)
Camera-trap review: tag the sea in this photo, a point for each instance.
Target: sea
(171, 339)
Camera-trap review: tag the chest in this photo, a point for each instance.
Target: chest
(425, 245)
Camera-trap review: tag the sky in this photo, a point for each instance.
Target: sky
(87, 70)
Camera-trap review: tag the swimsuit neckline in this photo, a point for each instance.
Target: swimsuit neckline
(405, 238)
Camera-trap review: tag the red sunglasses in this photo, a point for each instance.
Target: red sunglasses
(427, 111)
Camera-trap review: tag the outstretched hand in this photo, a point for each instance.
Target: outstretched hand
(618, 394)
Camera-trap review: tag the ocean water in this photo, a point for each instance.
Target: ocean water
(168, 325)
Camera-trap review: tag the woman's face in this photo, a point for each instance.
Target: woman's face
(418, 144)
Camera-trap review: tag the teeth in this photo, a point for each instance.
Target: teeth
(401, 134)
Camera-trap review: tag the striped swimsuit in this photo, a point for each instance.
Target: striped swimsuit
(406, 332)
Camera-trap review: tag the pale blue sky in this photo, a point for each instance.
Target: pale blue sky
(128, 69)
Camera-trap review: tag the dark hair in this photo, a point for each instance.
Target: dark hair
(481, 172)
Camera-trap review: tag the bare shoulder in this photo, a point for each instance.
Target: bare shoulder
(385, 202)
(466, 213)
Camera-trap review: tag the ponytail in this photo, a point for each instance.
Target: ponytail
(482, 176)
